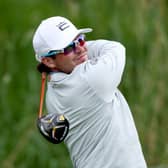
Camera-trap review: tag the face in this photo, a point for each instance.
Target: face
(66, 62)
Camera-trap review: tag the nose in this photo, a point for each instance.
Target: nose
(79, 49)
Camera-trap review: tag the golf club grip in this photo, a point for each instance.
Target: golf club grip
(43, 79)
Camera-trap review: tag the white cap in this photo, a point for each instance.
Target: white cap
(54, 33)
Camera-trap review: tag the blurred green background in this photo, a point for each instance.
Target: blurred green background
(141, 26)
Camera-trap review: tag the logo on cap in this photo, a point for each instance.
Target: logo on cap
(62, 26)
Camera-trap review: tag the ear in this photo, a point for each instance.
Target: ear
(49, 62)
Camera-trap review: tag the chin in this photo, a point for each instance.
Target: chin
(84, 58)
(82, 61)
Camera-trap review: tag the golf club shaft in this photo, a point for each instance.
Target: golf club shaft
(43, 79)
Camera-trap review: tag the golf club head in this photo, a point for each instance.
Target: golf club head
(53, 127)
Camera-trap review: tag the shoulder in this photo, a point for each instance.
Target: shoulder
(102, 42)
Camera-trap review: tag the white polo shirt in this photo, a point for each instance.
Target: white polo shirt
(102, 132)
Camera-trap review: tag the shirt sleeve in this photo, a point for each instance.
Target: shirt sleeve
(105, 67)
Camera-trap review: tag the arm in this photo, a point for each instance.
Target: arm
(104, 74)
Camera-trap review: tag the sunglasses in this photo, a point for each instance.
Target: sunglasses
(70, 48)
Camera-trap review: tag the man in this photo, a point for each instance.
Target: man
(82, 85)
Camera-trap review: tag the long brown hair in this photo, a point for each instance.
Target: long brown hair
(43, 68)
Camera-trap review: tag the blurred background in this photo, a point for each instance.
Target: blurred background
(141, 26)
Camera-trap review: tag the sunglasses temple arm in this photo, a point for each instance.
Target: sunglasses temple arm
(43, 80)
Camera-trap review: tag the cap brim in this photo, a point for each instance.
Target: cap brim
(85, 30)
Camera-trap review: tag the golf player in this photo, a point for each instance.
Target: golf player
(83, 80)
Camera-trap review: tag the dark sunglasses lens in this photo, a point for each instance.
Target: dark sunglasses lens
(69, 49)
(72, 47)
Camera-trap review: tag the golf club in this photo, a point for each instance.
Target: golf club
(54, 127)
